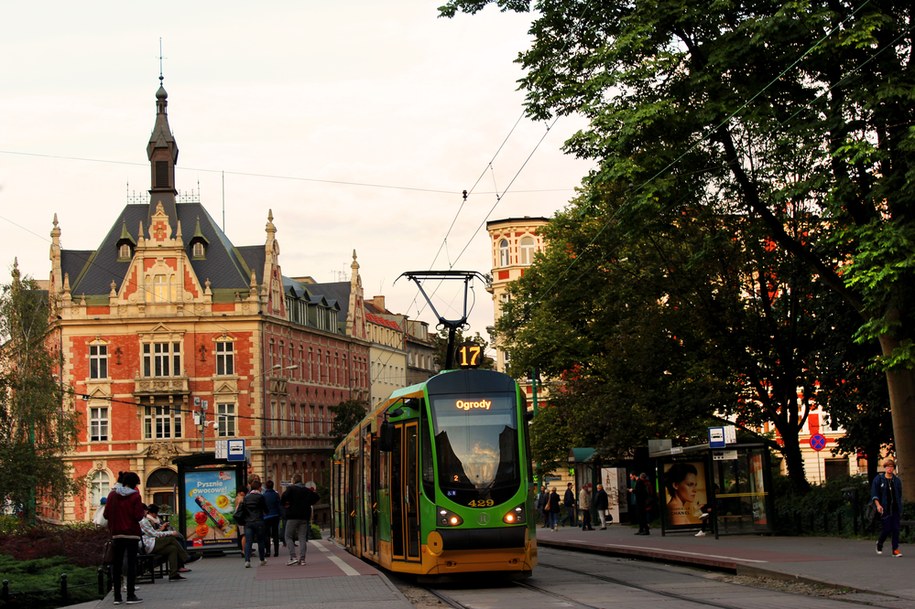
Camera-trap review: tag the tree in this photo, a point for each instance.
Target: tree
(347, 414)
(667, 334)
(766, 105)
(37, 425)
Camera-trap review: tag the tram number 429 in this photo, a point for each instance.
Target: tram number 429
(481, 503)
(469, 355)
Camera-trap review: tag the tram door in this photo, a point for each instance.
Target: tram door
(404, 492)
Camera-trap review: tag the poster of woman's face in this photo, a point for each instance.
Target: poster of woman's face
(685, 494)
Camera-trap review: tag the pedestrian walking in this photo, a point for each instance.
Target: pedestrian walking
(297, 502)
(568, 500)
(552, 507)
(642, 503)
(886, 493)
(272, 518)
(602, 505)
(124, 510)
(584, 502)
(542, 499)
(255, 529)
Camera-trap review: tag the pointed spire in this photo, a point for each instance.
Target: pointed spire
(162, 152)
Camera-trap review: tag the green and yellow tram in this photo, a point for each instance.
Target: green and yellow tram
(437, 480)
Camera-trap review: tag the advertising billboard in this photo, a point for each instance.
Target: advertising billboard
(206, 503)
(685, 493)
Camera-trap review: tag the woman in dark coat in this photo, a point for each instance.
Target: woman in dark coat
(124, 510)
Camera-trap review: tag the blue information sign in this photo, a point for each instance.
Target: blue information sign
(236, 450)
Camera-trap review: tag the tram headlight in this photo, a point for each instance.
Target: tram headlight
(515, 515)
(447, 518)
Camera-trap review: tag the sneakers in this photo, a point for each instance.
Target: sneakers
(247, 564)
(118, 601)
(700, 534)
(879, 549)
(292, 561)
(897, 553)
(264, 562)
(302, 562)
(133, 600)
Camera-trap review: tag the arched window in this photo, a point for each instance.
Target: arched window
(526, 250)
(99, 486)
(503, 253)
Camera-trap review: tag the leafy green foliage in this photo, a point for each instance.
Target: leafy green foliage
(347, 415)
(37, 424)
(788, 122)
(33, 559)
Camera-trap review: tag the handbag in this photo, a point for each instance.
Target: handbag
(99, 517)
(240, 514)
(108, 553)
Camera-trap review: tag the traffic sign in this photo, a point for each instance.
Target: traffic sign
(236, 450)
(716, 437)
(817, 442)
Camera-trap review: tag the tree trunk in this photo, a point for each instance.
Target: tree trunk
(794, 461)
(901, 385)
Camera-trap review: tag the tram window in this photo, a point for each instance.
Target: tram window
(428, 465)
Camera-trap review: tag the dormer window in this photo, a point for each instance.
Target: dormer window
(197, 250)
(125, 252)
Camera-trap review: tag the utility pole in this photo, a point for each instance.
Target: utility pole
(200, 417)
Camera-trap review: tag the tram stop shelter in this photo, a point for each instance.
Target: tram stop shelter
(732, 484)
(588, 468)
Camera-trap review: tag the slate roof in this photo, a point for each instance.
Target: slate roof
(338, 292)
(227, 267)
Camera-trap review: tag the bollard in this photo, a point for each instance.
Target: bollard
(5, 591)
(64, 593)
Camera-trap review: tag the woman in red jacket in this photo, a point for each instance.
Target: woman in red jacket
(123, 509)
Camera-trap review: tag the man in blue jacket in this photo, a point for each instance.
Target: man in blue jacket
(886, 493)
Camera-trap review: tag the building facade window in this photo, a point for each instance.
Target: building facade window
(160, 422)
(160, 288)
(99, 487)
(526, 250)
(225, 358)
(198, 250)
(98, 361)
(226, 420)
(161, 359)
(98, 423)
(124, 252)
(504, 259)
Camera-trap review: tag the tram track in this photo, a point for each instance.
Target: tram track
(545, 590)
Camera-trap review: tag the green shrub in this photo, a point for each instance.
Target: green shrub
(37, 583)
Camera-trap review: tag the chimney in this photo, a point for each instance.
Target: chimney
(378, 301)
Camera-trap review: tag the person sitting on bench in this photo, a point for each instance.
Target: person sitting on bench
(160, 539)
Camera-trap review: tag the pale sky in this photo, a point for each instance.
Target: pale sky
(358, 122)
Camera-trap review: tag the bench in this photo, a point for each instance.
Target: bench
(149, 567)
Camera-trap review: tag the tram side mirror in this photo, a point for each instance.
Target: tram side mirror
(386, 438)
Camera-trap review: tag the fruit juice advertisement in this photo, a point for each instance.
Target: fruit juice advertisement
(210, 503)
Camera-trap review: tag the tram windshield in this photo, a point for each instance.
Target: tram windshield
(476, 440)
